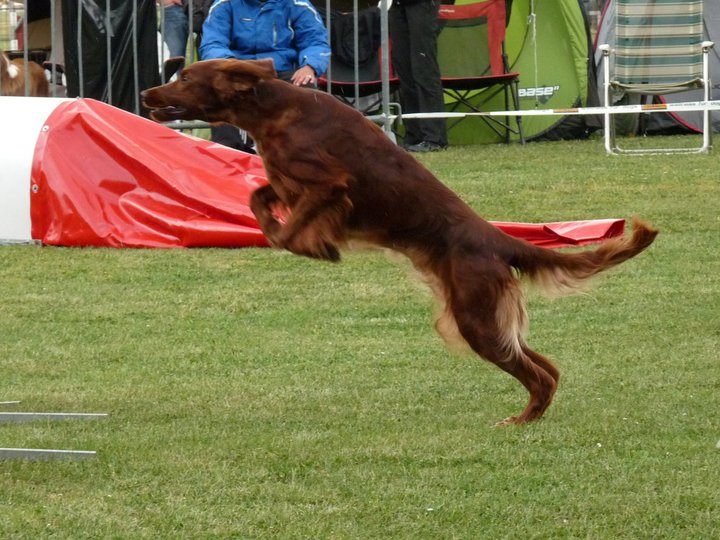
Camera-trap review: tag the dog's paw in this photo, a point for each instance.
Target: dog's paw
(331, 253)
(315, 248)
(323, 251)
(271, 229)
(509, 421)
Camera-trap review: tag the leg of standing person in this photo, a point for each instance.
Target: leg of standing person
(401, 53)
(422, 19)
(176, 30)
(232, 137)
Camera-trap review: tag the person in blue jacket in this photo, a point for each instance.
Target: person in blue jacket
(291, 32)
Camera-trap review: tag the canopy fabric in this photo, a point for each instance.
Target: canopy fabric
(104, 177)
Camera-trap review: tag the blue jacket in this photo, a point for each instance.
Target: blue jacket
(289, 31)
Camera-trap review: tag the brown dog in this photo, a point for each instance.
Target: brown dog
(12, 78)
(339, 178)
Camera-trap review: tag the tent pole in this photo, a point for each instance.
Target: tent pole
(533, 21)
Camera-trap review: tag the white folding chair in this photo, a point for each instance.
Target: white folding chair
(659, 49)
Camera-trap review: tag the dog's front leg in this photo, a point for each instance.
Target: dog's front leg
(317, 222)
(262, 202)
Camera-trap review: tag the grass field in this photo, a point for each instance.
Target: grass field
(255, 394)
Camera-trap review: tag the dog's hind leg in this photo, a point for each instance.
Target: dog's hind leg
(490, 314)
(542, 361)
(540, 380)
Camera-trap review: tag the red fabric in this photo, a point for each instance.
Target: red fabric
(565, 233)
(104, 177)
(494, 10)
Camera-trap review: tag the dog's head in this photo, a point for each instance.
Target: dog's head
(211, 90)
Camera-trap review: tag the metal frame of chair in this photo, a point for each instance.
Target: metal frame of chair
(659, 50)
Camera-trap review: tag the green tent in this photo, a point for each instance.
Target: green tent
(548, 43)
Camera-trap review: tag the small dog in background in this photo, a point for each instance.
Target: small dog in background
(12, 78)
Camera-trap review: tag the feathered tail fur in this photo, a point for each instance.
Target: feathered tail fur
(560, 273)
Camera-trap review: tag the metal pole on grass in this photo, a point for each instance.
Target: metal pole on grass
(26, 47)
(136, 64)
(356, 54)
(18, 417)
(385, 68)
(42, 454)
(39, 454)
(81, 74)
(108, 53)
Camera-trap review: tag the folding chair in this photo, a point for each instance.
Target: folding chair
(659, 50)
(364, 91)
(473, 64)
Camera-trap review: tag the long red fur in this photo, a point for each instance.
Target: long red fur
(342, 180)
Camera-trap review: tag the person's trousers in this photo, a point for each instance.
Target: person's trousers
(413, 32)
(176, 30)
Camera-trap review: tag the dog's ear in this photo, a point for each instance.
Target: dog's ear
(243, 75)
(266, 68)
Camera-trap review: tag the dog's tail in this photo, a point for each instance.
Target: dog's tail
(560, 273)
(7, 68)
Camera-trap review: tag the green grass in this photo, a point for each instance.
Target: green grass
(255, 394)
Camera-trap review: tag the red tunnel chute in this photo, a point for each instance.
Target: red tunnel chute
(103, 177)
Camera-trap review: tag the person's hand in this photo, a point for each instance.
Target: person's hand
(304, 76)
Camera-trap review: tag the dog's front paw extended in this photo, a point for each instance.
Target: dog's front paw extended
(330, 252)
(323, 251)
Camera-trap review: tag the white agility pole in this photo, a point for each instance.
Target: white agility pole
(713, 105)
(7, 417)
(6, 404)
(40, 454)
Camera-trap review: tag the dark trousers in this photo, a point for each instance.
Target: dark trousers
(413, 31)
(229, 135)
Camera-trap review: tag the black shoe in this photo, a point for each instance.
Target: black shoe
(408, 143)
(426, 146)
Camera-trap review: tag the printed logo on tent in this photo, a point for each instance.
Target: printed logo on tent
(541, 93)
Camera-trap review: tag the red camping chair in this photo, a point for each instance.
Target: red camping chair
(472, 58)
